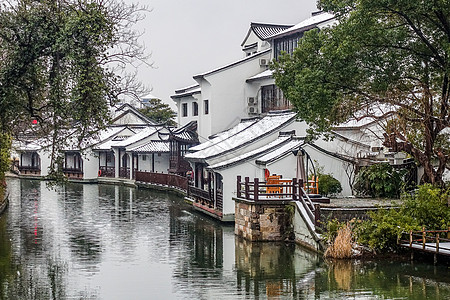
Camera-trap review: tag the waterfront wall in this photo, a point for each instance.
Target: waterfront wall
(262, 221)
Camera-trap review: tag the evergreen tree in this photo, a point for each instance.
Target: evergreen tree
(391, 56)
(63, 65)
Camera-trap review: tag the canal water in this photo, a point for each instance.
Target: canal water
(87, 241)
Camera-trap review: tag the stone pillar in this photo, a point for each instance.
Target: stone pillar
(262, 220)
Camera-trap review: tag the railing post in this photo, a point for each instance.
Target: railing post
(316, 214)
(238, 187)
(300, 190)
(247, 188)
(294, 189)
(410, 238)
(256, 189)
(437, 242)
(424, 236)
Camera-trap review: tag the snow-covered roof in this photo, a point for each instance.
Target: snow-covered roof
(272, 122)
(150, 96)
(265, 74)
(152, 147)
(127, 108)
(275, 145)
(287, 148)
(247, 58)
(144, 133)
(368, 116)
(114, 140)
(225, 134)
(25, 146)
(71, 140)
(315, 21)
(186, 133)
(189, 92)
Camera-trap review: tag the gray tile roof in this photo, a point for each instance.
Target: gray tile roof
(152, 147)
(263, 31)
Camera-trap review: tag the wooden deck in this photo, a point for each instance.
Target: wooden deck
(444, 248)
(436, 242)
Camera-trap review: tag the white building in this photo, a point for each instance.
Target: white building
(235, 107)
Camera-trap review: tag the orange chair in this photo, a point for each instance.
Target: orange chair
(273, 179)
(312, 185)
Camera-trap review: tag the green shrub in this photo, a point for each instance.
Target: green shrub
(328, 185)
(426, 208)
(380, 180)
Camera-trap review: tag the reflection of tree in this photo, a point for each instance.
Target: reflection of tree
(390, 280)
(7, 269)
(84, 237)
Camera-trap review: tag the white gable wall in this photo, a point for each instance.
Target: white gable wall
(331, 165)
(227, 93)
(181, 120)
(129, 118)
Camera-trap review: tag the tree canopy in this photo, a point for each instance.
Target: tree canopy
(63, 63)
(391, 56)
(159, 112)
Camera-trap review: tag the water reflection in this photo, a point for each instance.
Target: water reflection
(274, 269)
(109, 242)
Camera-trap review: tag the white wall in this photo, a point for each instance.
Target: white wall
(161, 162)
(190, 117)
(228, 102)
(90, 164)
(129, 118)
(45, 162)
(331, 165)
(246, 169)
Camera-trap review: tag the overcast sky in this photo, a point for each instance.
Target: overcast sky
(187, 37)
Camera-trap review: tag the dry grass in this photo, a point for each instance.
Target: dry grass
(342, 246)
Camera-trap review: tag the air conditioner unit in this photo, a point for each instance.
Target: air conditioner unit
(264, 62)
(252, 110)
(252, 101)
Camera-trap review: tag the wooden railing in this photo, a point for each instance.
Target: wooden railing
(170, 180)
(278, 190)
(201, 196)
(124, 172)
(32, 170)
(105, 171)
(73, 173)
(428, 241)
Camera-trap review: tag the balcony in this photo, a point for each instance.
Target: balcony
(107, 172)
(30, 170)
(73, 173)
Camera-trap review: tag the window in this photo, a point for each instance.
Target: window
(206, 105)
(273, 99)
(144, 157)
(184, 110)
(287, 44)
(195, 108)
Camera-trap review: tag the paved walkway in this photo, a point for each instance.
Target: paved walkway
(361, 203)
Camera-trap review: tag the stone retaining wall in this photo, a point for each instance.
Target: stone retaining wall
(267, 221)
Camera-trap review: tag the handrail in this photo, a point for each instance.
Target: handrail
(427, 242)
(307, 198)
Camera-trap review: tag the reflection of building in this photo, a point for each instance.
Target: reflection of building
(274, 269)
